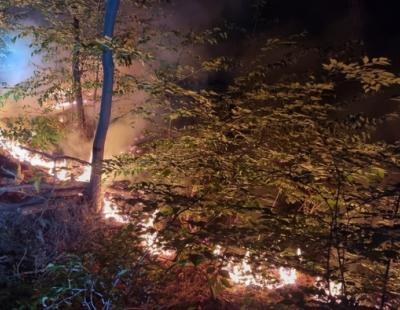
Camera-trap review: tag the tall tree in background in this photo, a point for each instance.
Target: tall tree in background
(64, 38)
(356, 12)
(94, 191)
(77, 75)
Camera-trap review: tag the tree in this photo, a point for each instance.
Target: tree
(61, 30)
(356, 12)
(77, 76)
(94, 190)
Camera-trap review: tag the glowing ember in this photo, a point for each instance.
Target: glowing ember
(218, 250)
(110, 211)
(150, 239)
(288, 276)
(242, 273)
(85, 176)
(60, 171)
(335, 289)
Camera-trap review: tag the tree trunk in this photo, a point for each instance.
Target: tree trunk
(77, 76)
(100, 11)
(356, 12)
(95, 85)
(94, 190)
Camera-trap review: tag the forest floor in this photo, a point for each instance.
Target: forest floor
(42, 225)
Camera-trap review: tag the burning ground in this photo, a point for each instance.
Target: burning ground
(59, 193)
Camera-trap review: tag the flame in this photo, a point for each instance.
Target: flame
(85, 176)
(288, 276)
(58, 169)
(335, 289)
(55, 168)
(110, 211)
(61, 173)
(242, 273)
(150, 239)
(60, 106)
(23, 155)
(63, 103)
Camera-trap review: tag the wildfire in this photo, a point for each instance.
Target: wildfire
(63, 103)
(85, 176)
(110, 211)
(288, 276)
(241, 273)
(150, 239)
(334, 289)
(56, 168)
(61, 106)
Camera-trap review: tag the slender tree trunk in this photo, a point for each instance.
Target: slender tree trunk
(94, 190)
(356, 12)
(385, 284)
(77, 76)
(96, 81)
(100, 10)
(386, 278)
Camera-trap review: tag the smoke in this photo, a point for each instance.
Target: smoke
(124, 131)
(17, 63)
(123, 134)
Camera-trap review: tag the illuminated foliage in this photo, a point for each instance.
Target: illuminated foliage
(263, 172)
(270, 168)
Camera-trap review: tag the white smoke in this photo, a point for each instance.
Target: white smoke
(17, 65)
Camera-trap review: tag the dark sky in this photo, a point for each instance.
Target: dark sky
(328, 23)
(375, 22)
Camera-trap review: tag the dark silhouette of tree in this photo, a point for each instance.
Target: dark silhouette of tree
(356, 12)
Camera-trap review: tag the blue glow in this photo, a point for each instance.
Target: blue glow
(15, 65)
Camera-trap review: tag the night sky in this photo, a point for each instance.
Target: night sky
(374, 22)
